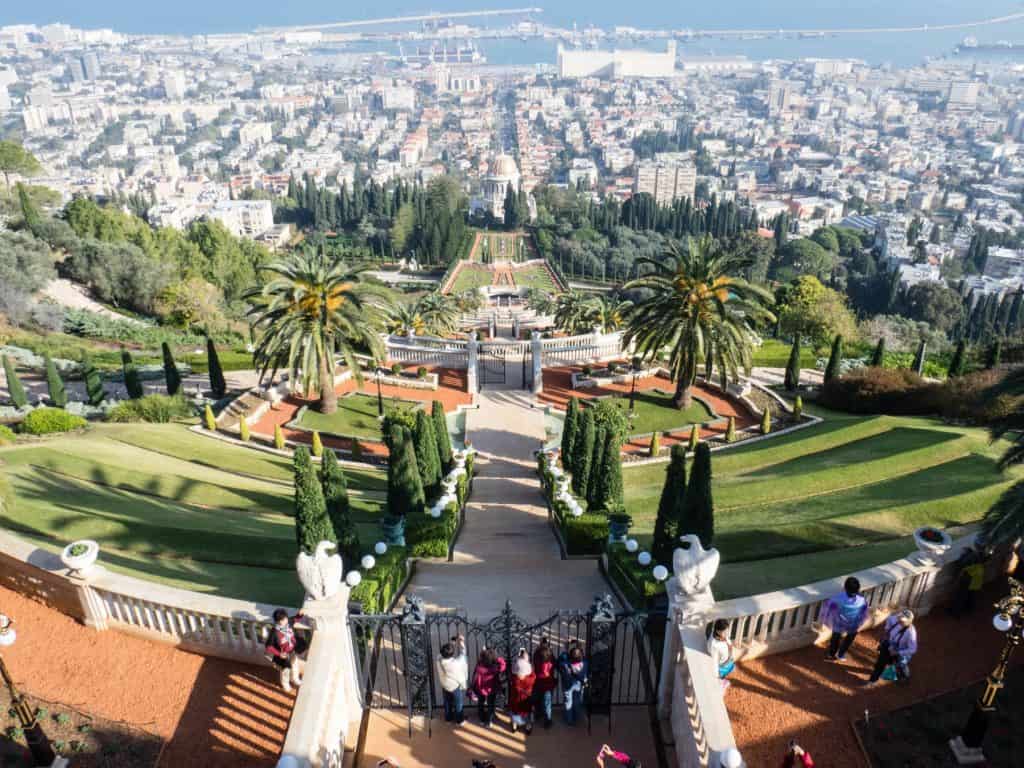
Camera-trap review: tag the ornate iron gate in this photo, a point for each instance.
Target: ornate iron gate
(491, 365)
(396, 653)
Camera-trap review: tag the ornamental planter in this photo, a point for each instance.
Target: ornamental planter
(618, 529)
(80, 556)
(932, 543)
(393, 530)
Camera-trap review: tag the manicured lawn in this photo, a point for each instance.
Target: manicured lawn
(168, 504)
(839, 496)
(356, 416)
(470, 277)
(654, 412)
(534, 277)
(774, 353)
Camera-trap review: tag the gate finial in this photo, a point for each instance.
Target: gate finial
(603, 608)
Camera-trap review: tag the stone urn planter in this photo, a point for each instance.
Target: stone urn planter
(80, 556)
(618, 528)
(393, 530)
(932, 543)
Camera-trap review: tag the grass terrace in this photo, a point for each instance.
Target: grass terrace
(535, 276)
(470, 277)
(839, 496)
(653, 412)
(356, 416)
(172, 506)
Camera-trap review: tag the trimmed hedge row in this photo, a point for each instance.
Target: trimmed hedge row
(380, 585)
(583, 535)
(635, 580)
(48, 421)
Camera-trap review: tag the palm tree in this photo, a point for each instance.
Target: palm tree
(697, 308)
(405, 318)
(311, 308)
(440, 311)
(574, 312)
(469, 301)
(1004, 521)
(541, 302)
(610, 312)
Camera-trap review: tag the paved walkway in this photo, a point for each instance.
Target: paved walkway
(506, 549)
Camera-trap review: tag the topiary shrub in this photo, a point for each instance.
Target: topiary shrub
(208, 420)
(357, 450)
(895, 391)
(798, 408)
(730, 430)
(278, 438)
(655, 447)
(694, 438)
(243, 431)
(421, 373)
(6, 435)
(46, 421)
(396, 368)
(766, 421)
(586, 534)
(14, 386)
(154, 409)
(317, 445)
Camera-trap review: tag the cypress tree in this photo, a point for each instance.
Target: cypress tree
(919, 356)
(335, 490)
(798, 407)
(14, 386)
(995, 354)
(311, 523)
(569, 430)
(793, 366)
(171, 375)
(55, 385)
(278, 438)
(609, 494)
(582, 450)
(405, 488)
(316, 445)
(218, 386)
(444, 440)
(878, 357)
(730, 430)
(243, 430)
(958, 364)
(208, 420)
(427, 460)
(698, 514)
(132, 382)
(29, 211)
(596, 466)
(832, 369)
(93, 381)
(655, 447)
(666, 525)
(694, 438)
(766, 421)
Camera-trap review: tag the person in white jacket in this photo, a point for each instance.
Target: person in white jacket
(720, 650)
(453, 674)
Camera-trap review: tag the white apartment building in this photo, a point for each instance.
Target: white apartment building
(669, 176)
(398, 97)
(255, 133)
(244, 218)
(616, 64)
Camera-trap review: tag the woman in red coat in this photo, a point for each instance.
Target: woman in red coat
(520, 700)
(547, 680)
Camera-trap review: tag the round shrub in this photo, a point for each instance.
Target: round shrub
(47, 421)
(396, 368)
(155, 409)
(421, 373)
(967, 398)
(6, 435)
(895, 391)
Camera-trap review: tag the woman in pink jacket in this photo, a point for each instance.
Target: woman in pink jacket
(487, 681)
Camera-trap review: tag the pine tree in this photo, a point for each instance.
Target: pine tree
(171, 375)
(730, 430)
(335, 490)
(278, 438)
(995, 354)
(919, 358)
(55, 385)
(317, 445)
(792, 381)
(694, 438)
(405, 488)
(958, 365)
(582, 450)
(311, 523)
(132, 382)
(698, 515)
(218, 386)
(570, 428)
(609, 482)
(427, 460)
(836, 356)
(596, 466)
(673, 492)
(444, 440)
(93, 381)
(878, 357)
(14, 386)
(766, 421)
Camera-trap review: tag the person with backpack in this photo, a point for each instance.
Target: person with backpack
(844, 614)
(284, 647)
(898, 645)
(486, 683)
(573, 670)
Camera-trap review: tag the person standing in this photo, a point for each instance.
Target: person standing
(797, 757)
(486, 683)
(573, 670)
(898, 645)
(844, 614)
(520, 700)
(283, 648)
(720, 650)
(453, 674)
(546, 681)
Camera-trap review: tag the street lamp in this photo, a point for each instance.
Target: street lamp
(635, 365)
(380, 398)
(967, 747)
(38, 744)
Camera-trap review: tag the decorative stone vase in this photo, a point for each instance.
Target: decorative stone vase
(618, 529)
(393, 530)
(80, 556)
(932, 543)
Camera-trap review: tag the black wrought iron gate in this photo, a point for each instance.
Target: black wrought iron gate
(396, 653)
(491, 366)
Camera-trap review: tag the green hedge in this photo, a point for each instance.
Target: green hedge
(380, 585)
(430, 537)
(583, 535)
(635, 581)
(46, 421)
(155, 409)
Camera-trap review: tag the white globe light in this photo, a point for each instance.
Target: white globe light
(368, 562)
(632, 545)
(1002, 622)
(353, 578)
(644, 558)
(660, 572)
(731, 758)
(380, 547)
(435, 512)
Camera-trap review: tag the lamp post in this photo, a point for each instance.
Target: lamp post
(380, 398)
(635, 365)
(967, 747)
(38, 744)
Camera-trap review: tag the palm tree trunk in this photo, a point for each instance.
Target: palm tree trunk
(328, 397)
(684, 395)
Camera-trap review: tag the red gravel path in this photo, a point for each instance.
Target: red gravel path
(799, 696)
(211, 712)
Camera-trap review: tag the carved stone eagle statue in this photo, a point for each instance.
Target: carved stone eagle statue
(320, 573)
(694, 566)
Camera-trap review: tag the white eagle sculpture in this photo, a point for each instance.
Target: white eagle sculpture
(320, 573)
(694, 566)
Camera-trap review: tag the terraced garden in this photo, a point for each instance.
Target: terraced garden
(839, 496)
(356, 416)
(172, 506)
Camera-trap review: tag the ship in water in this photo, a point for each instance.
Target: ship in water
(970, 46)
(444, 52)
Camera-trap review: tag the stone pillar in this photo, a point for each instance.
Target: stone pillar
(683, 608)
(471, 366)
(94, 610)
(537, 352)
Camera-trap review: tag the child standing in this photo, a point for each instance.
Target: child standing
(520, 703)
(486, 683)
(546, 683)
(453, 673)
(720, 650)
(843, 614)
(284, 647)
(899, 643)
(572, 668)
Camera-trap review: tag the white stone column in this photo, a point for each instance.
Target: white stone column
(537, 352)
(94, 610)
(471, 365)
